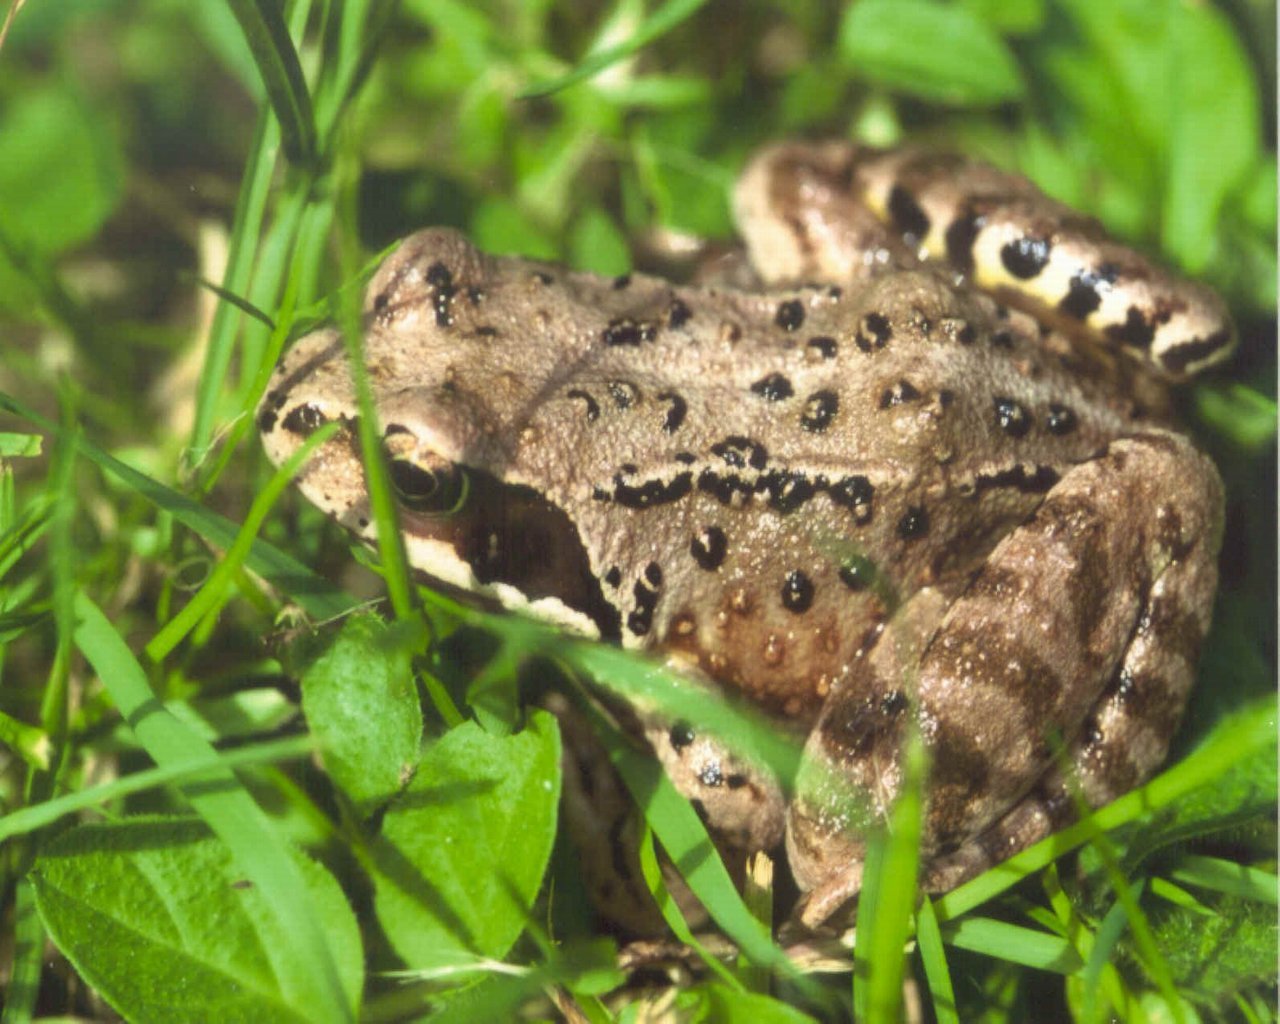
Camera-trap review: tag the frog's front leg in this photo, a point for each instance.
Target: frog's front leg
(739, 802)
(1080, 632)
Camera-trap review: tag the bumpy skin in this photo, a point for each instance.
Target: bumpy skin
(788, 494)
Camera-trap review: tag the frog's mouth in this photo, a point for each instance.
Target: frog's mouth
(508, 542)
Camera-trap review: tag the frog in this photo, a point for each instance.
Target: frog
(914, 472)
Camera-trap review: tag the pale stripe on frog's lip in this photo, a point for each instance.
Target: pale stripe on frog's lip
(438, 560)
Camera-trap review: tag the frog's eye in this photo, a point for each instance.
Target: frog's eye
(440, 489)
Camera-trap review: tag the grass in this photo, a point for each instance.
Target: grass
(187, 699)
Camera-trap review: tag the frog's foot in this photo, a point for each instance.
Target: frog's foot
(1082, 628)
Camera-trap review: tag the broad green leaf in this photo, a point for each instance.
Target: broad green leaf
(1246, 416)
(242, 714)
(62, 172)
(686, 192)
(1128, 49)
(1215, 130)
(1016, 17)
(20, 445)
(362, 706)
(220, 799)
(156, 916)
(467, 843)
(926, 49)
(1230, 950)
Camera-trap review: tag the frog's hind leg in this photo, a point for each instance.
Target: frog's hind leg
(1126, 734)
(1015, 242)
(1082, 628)
(802, 222)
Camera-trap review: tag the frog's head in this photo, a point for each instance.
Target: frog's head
(465, 521)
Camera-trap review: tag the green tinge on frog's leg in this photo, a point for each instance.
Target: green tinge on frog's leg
(1084, 624)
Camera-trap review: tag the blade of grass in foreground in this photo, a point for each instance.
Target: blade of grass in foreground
(246, 265)
(209, 598)
(1028, 946)
(319, 598)
(268, 39)
(28, 957)
(28, 819)
(889, 893)
(934, 958)
(685, 839)
(220, 800)
(652, 872)
(1225, 876)
(1100, 977)
(662, 21)
(1144, 940)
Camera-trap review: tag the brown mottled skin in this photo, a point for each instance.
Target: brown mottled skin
(844, 500)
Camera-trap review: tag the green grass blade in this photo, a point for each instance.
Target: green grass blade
(747, 733)
(63, 560)
(889, 893)
(1028, 946)
(662, 21)
(28, 957)
(1143, 937)
(652, 872)
(211, 595)
(245, 265)
(1227, 877)
(1100, 976)
(219, 799)
(685, 839)
(37, 816)
(1103, 943)
(934, 958)
(268, 38)
(226, 295)
(382, 505)
(317, 596)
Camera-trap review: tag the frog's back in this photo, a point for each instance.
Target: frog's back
(751, 480)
